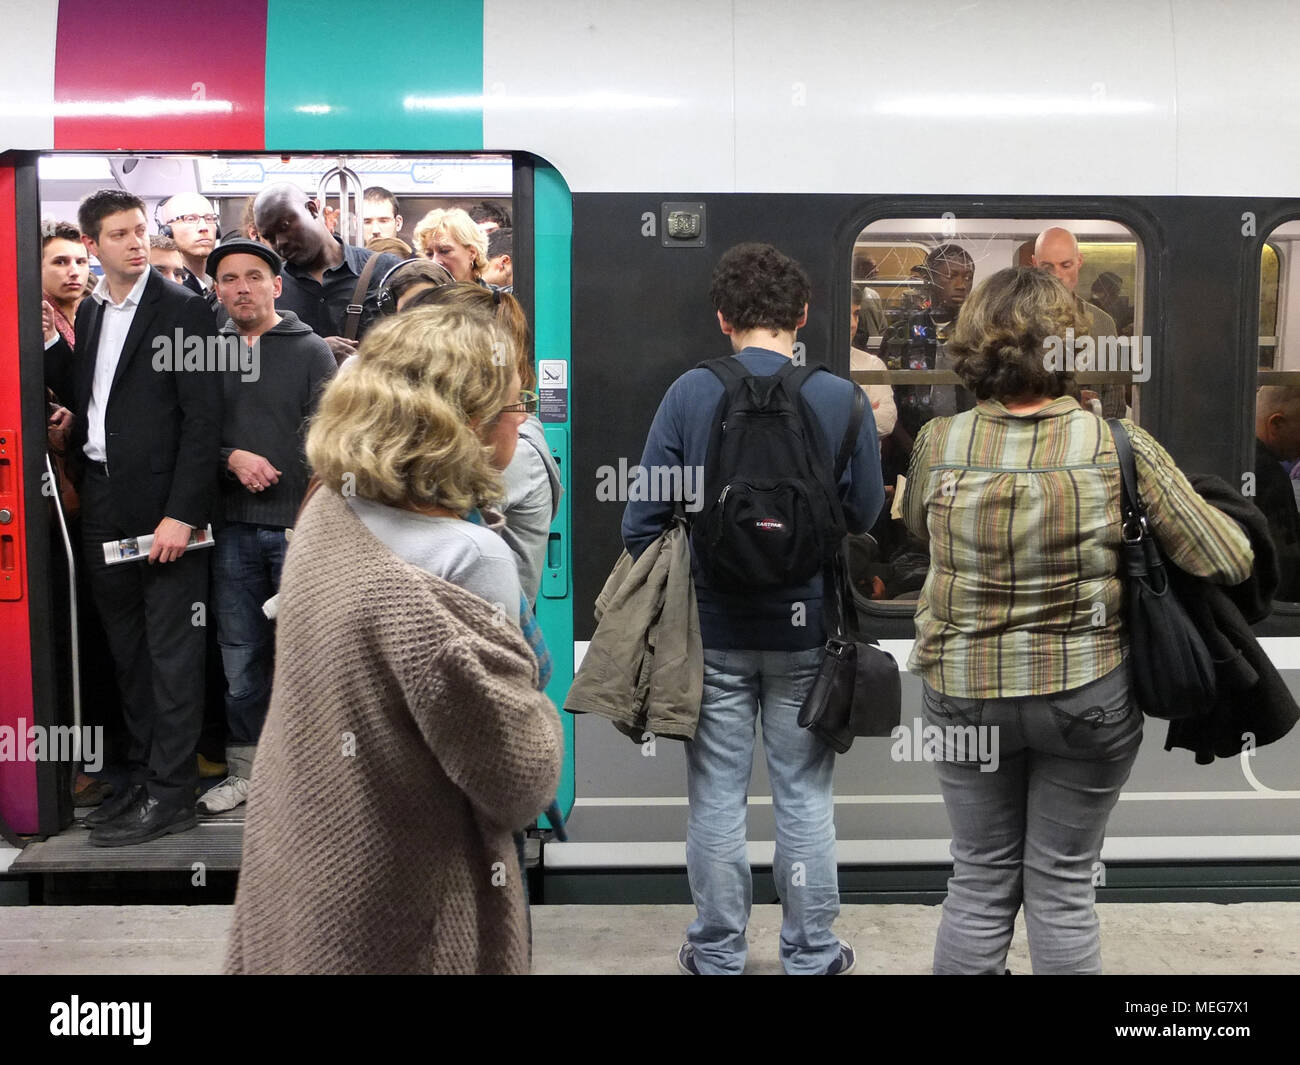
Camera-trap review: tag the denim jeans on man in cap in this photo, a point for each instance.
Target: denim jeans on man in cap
(1031, 831)
(246, 565)
(800, 767)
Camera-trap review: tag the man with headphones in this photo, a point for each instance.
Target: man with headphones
(191, 221)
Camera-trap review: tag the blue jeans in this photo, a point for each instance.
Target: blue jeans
(718, 762)
(246, 567)
(1031, 831)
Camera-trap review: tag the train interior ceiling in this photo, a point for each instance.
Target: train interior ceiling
(420, 183)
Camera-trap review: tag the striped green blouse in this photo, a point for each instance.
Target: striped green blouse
(1022, 515)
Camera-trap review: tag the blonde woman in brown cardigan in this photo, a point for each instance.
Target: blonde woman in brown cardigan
(406, 738)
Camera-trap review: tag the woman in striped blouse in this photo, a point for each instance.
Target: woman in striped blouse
(1019, 627)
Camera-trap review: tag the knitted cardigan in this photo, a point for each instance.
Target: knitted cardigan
(405, 741)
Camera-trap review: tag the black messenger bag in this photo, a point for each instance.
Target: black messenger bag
(857, 692)
(1172, 670)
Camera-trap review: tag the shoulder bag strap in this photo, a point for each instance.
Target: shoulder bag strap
(851, 433)
(1138, 547)
(352, 321)
(1132, 500)
(833, 616)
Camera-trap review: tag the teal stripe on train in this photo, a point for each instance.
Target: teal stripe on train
(352, 77)
(553, 259)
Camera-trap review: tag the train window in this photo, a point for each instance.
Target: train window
(1270, 270)
(910, 278)
(1275, 480)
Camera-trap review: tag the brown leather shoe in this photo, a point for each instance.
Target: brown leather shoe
(210, 770)
(92, 792)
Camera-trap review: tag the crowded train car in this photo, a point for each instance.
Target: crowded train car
(624, 152)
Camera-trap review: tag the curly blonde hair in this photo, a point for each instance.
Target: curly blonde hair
(459, 227)
(1004, 331)
(396, 427)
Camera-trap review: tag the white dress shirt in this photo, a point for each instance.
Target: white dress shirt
(881, 397)
(112, 336)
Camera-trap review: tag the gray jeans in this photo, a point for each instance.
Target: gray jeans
(1031, 831)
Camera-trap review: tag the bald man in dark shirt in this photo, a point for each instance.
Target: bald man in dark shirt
(321, 272)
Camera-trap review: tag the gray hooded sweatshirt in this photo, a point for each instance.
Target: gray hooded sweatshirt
(266, 412)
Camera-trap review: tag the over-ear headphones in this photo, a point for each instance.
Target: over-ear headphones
(387, 302)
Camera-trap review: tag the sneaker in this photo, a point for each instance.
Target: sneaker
(686, 960)
(843, 965)
(231, 792)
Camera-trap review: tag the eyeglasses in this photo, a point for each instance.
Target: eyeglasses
(194, 219)
(527, 404)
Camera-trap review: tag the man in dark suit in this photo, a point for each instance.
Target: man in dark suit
(148, 424)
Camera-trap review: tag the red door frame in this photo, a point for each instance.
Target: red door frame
(31, 798)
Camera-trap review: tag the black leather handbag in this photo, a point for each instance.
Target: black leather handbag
(1172, 669)
(857, 691)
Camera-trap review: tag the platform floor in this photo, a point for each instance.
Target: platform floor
(1187, 938)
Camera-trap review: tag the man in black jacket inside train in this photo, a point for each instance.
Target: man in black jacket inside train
(148, 422)
(321, 272)
(1277, 440)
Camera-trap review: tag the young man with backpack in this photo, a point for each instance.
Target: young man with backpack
(790, 464)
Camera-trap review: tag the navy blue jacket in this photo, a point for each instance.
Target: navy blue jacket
(679, 438)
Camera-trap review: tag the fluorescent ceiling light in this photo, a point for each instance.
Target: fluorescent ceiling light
(74, 168)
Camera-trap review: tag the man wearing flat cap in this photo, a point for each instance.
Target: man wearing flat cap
(284, 366)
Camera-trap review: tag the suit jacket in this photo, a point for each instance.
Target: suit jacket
(162, 428)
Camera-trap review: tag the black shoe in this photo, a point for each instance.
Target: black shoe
(148, 819)
(114, 808)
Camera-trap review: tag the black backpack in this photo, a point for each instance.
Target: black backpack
(772, 515)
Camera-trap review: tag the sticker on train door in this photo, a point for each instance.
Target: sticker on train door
(553, 390)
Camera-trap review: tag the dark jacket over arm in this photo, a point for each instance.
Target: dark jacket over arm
(1253, 699)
